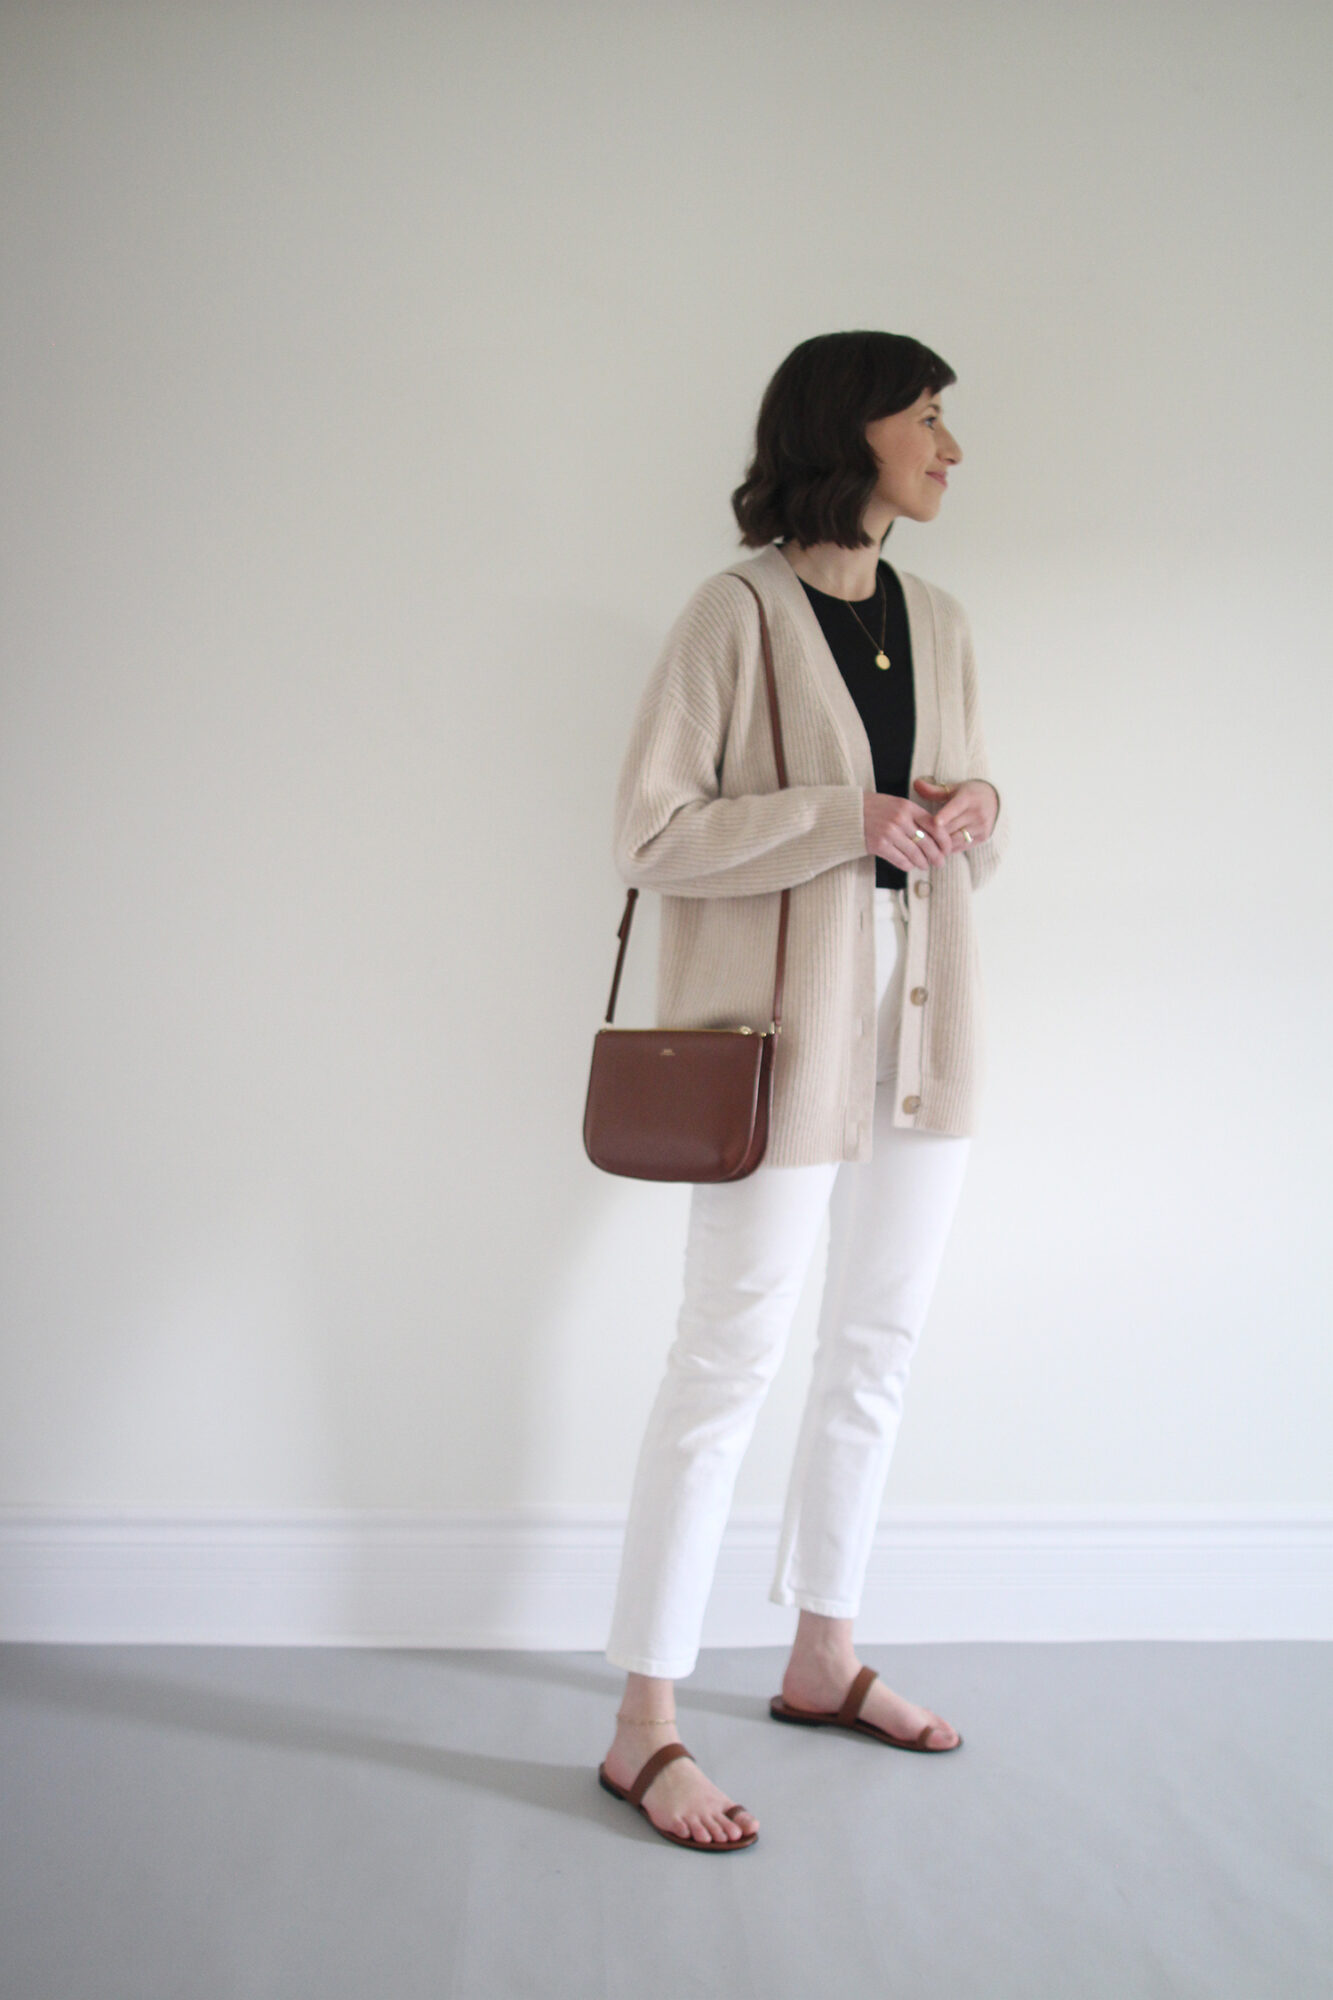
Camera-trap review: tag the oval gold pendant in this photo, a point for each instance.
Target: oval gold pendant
(882, 660)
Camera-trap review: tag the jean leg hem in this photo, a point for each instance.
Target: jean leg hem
(823, 1607)
(657, 1670)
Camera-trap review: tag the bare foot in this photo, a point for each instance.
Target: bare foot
(811, 1684)
(680, 1798)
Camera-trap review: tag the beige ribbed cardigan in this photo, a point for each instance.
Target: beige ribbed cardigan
(699, 817)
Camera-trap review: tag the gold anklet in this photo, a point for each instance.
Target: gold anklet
(645, 1719)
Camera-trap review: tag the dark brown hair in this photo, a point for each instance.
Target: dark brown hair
(812, 471)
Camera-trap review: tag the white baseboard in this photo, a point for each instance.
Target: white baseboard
(543, 1579)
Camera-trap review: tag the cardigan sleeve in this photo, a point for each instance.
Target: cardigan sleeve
(673, 830)
(982, 860)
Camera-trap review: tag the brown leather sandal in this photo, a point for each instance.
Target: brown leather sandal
(849, 1717)
(645, 1778)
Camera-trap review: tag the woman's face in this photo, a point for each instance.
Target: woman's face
(915, 452)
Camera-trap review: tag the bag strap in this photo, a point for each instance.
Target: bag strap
(775, 719)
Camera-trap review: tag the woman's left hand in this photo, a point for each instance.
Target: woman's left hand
(973, 806)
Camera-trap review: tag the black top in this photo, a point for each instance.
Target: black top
(885, 701)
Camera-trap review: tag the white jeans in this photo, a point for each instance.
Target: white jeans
(748, 1249)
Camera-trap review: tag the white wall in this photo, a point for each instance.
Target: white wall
(375, 379)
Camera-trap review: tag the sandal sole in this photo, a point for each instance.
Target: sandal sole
(778, 1709)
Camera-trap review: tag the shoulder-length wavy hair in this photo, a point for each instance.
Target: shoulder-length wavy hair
(812, 470)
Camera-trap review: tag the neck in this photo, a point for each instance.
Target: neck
(849, 573)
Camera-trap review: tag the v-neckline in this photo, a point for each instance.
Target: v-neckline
(772, 566)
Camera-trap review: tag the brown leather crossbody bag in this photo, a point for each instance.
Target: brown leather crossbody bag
(687, 1104)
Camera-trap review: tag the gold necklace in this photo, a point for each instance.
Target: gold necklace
(881, 658)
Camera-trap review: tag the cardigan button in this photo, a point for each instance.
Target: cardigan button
(918, 996)
(921, 888)
(911, 1104)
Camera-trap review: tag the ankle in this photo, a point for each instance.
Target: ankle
(822, 1647)
(635, 1742)
(822, 1662)
(822, 1673)
(647, 1704)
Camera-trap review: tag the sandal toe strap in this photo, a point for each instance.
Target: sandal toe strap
(856, 1694)
(659, 1759)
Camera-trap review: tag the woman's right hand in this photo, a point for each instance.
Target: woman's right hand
(890, 823)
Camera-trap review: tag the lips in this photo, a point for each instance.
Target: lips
(938, 475)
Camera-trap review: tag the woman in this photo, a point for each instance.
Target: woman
(887, 823)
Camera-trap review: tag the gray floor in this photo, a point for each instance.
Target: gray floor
(1122, 1820)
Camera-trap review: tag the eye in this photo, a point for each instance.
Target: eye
(932, 420)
